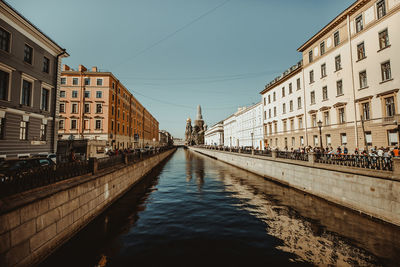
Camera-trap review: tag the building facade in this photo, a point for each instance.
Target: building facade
(29, 83)
(348, 83)
(215, 135)
(95, 105)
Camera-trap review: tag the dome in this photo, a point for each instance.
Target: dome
(188, 119)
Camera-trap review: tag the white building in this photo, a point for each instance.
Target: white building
(350, 71)
(215, 135)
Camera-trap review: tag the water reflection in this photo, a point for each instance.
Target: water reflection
(313, 229)
(195, 164)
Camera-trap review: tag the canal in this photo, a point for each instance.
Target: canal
(197, 211)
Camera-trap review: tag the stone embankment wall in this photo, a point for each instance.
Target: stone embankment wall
(376, 193)
(35, 223)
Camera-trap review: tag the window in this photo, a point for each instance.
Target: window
(62, 94)
(386, 73)
(323, 70)
(301, 141)
(270, 129)
(363, 79)
(311, 76)
(113, 85)
(292, 125)
(283, 91)
(265, 115)
(368, 138)
(293, 141)
(312, 96)
(46, 65)
(322, 48)
(389, 106)
(326, 118)
(112, 110)
(87, 94)
(98, 124)
(298, 84)
(4, 40)
(112, 125)
(339, 87)
(26, 93)
(4, 83)
(99, 94)
(43, 132)
(343, 139)
(328, 139)
(274, 96)
(45, 99)
(310, 56)
(23, 130)
(365, 111)
(359, 23)
(74, 94)
(325, 93)
(314, 120)
(315, 140)
(265, 101)
(383, 39)
(62, 107)
(393, 137)
(61, 125)
(75, 81)
(99, 81)
(269, 113)
(87, 108)
(99, 108)
(2, 126)
(28, 54)
(338, 63)
(381, 9)
(291, 105)
(87, 81)
(275, 127)
(74, 108)
(336, 38)
(299, 102)
(342, 115)
(284, 126)
(63, 80)
(283, 108)
(269, 99)
(274, 111)
(361, 51)
(73, 125)
(290, 88)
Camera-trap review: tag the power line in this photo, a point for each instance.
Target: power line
(176, 31)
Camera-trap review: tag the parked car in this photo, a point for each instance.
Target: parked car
(21, 167)
(53, 157)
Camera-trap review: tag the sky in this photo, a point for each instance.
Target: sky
(176, 54)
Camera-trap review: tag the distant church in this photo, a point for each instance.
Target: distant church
(195, 135)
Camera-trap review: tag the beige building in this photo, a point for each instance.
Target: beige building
(348, 82)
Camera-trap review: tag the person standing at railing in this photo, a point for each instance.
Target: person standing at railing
(396, 151)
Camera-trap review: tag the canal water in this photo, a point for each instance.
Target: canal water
(197, 211)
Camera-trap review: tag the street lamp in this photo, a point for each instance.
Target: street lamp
(319, 123)
(252, 143)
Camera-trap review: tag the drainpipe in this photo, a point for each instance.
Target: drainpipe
(352, 79)
(53, 143)
(305, 108)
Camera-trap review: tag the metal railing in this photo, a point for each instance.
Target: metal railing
(292, 155)
(358, 161)
(27, 179)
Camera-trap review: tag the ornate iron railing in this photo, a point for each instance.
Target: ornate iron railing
(110, 161)
(358, 161)
(292, 155)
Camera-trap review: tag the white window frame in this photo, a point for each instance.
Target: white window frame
(30, 79)
(9, 70)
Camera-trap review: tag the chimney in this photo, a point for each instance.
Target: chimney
(82, 68)
(94, 69)
(65, 67)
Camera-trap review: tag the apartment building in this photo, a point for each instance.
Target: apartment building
(95, 105)
(283, 108)
(29, 83)
(215, 135)
(349, 82)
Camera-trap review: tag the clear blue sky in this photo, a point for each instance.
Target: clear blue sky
(176, 54)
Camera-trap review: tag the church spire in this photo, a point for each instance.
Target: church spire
(199, 116)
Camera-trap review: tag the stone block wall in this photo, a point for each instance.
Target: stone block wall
(35, 223)
(368, 191)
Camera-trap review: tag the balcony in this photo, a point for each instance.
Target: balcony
(392, 120)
